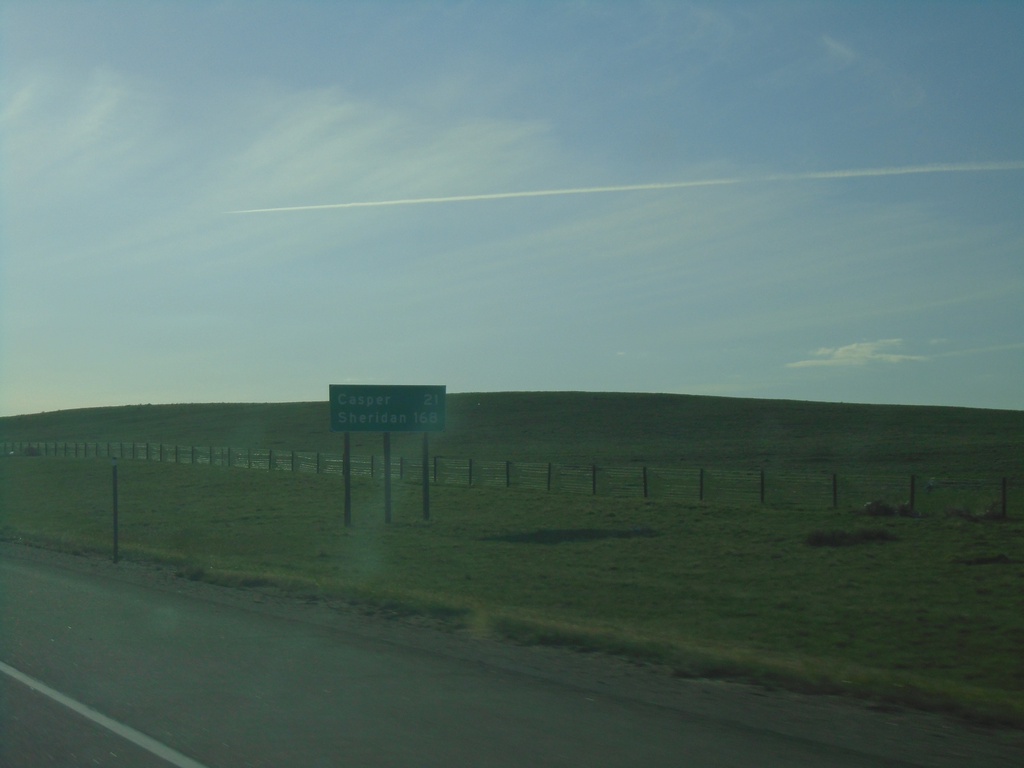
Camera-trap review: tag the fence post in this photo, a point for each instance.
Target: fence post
(270, 459)
(114, 468)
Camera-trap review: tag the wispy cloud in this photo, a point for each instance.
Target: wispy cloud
(838, 53)
(861, 353)
(983, 350)
(853, 173)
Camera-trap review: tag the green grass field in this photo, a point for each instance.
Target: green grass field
(606, 428)
(927, 610)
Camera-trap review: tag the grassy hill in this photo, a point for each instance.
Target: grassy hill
(921, 610)
(603, 428)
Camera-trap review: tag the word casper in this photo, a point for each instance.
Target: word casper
(398, 408)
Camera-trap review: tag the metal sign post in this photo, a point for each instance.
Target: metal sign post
(387, 477)
(426, 480)
(346, 473)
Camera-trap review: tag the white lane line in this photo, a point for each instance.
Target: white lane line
(125, 732)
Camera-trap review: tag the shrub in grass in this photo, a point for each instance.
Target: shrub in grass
(993, 511)
(882, 509)
(878, 509)
(837, 538)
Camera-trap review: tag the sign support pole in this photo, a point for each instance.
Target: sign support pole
(346, 471)
(426, 480)
(387, 477)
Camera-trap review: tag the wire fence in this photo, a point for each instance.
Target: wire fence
(781, 489)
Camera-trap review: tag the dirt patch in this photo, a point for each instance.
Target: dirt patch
(571, 535)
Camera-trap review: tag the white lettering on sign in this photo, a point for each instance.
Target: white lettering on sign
(361, 400)
(372, 418)
(372, 408)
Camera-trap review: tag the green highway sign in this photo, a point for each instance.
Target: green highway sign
(382, 408)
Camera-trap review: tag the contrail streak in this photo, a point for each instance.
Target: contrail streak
(855, 173)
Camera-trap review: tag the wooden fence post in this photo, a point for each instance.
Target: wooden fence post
(114, 467)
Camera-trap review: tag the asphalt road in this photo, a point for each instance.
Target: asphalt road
(129, 666)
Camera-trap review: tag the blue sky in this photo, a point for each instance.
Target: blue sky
(863, 240)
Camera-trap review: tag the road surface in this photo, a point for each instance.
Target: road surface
(128, 665)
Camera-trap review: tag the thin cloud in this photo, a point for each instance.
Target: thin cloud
(502, 195)
(983, 350)
(854, 173)
(861, 353)
(837, 52)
